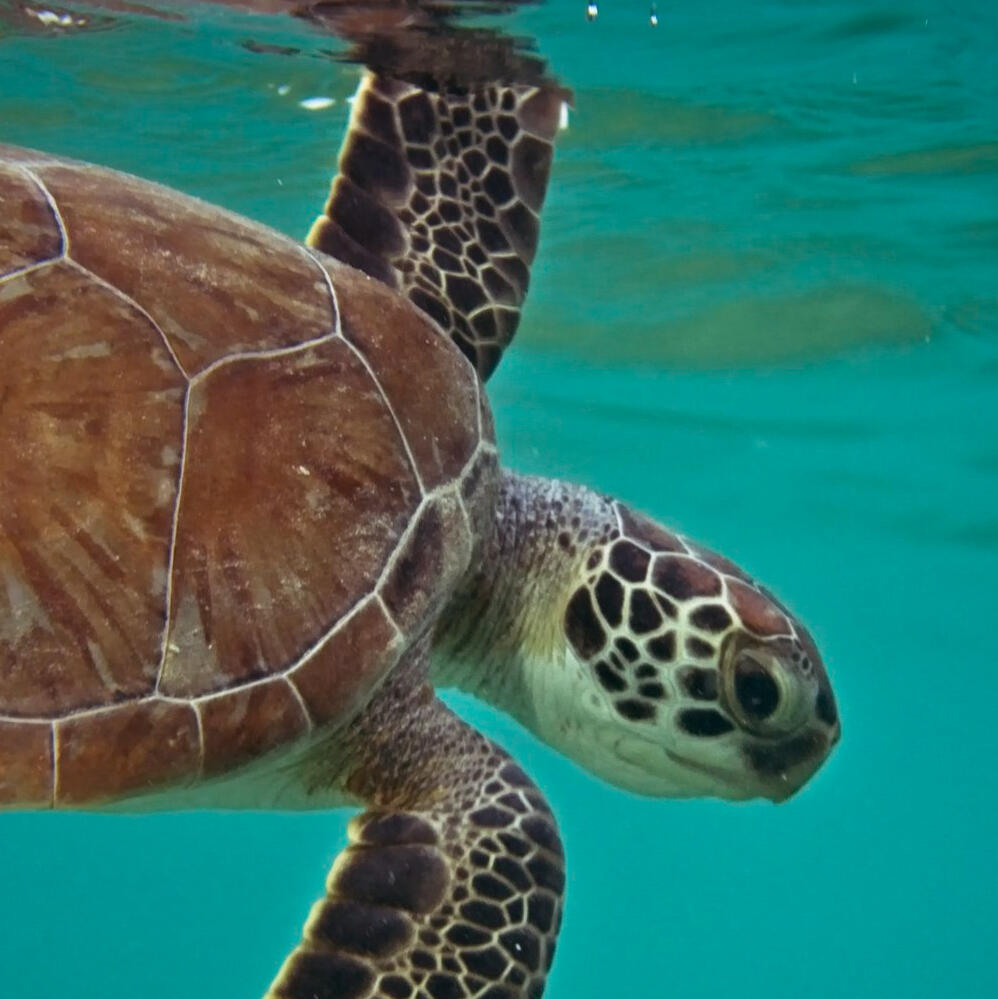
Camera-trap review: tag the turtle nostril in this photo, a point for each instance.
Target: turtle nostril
(757, 692)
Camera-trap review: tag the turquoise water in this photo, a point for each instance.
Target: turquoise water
(766, 310)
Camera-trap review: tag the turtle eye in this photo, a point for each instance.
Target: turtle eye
(761, 692)
(758, 694)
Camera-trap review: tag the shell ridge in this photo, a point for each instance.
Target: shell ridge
(174, 531)
(297, 695)
(53, 208)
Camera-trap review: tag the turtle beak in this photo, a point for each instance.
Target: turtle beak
(784, 766)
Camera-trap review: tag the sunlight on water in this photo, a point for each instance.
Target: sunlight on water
(765, 311)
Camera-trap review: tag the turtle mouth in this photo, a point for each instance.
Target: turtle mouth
(739, 785)
(659, 771)
(787, 765)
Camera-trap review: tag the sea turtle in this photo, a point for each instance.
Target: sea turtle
(252, 513)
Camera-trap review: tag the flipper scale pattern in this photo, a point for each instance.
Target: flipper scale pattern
(438, 195)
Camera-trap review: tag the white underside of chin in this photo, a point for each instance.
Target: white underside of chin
(573, 714)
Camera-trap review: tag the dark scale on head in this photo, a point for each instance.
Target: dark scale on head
(683, 578)
(646, 671)
(669, 609)
(635, 710)
(644, 616)
(704, 722)
(711, 617)
(629, 561)
(655, 691)
(663, 648)
(700, 684)
(610, 597)
(627, 649)
(699, 648)
(582, 625)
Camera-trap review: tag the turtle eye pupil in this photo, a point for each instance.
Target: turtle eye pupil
(757, 692)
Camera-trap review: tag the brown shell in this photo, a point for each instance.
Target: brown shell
(235, 484)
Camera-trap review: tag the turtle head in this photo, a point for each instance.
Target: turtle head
(694, 679)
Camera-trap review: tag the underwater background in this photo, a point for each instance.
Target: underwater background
(765, 310)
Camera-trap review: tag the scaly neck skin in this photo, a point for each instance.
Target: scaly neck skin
(501, 637)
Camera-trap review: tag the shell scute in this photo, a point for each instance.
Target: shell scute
(350, 661)
(125, 750)
(90, 433)
(29, 231)
(26, 774)
(396, 345)
(206, 484)
(245, 723)
(214, 283)
(296, 489)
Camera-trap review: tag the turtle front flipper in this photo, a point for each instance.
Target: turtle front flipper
(440, 188)
(451, 885)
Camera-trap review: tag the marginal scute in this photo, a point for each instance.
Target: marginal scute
(396, 341)
(242, 724)
(352, 661)
(429, 564)
(27, 771)
(29, 231)
(125, 750)
(149, 241)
